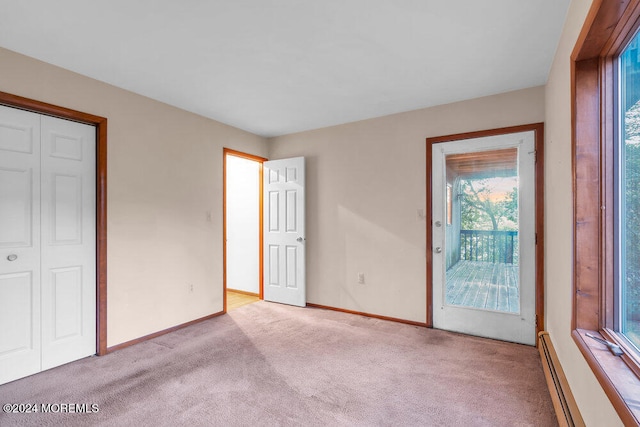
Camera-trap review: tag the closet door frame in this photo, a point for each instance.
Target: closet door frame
(100, 124)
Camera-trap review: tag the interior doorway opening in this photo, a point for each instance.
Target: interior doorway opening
(243, 207)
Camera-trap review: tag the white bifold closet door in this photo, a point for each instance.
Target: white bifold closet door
(47, 242)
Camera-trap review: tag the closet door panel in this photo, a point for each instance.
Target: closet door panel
(68, 241)
(19, 244)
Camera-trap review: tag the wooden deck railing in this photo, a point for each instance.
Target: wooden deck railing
(489, 246)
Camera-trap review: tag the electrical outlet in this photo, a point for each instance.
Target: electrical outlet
(361, 278)
(190, 287)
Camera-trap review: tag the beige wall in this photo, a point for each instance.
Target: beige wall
(594, 405)
(164, 175)
(365, 185)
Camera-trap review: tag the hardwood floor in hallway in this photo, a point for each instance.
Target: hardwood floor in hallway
(237, 299)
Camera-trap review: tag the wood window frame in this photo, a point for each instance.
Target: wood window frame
(607, 29)
(260, 160)
(538, 129)
(100, 123)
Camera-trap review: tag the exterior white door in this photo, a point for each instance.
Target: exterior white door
(483, 223)
(47, 239)
(284, 231)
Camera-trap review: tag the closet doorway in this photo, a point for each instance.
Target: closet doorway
(53, 235)
(243, 207)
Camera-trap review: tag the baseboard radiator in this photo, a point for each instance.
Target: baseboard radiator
(563, 401)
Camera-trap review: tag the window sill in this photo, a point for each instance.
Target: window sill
(618, 380)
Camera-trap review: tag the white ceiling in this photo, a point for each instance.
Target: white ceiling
(274, 67)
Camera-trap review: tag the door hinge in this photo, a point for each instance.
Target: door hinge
(536, 238)
(536, 320)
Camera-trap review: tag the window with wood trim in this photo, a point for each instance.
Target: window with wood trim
(606, 171)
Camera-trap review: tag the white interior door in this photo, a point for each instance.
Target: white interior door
(284, 231)
(68, 199)
(19, 244)
(483, 242)
(47, 242)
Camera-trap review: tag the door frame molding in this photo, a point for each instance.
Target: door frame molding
(100, 123)
(260, 160)
(538, 129)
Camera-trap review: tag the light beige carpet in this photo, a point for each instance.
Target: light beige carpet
(266, 364)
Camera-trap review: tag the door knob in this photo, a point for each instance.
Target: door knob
(12, 257)
(438, 250)
(300, 239)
